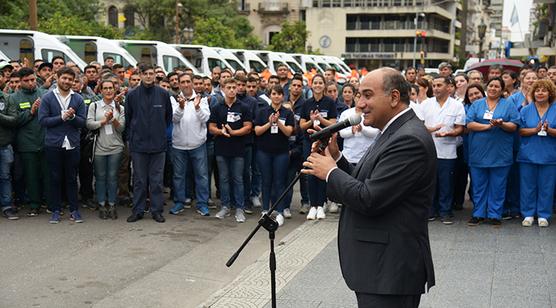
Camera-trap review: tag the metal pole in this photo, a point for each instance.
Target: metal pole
(415, 39)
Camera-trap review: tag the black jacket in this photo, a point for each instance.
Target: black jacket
(383, 235)
(148, 113)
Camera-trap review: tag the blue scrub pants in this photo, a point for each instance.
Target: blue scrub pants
(445, 176)
(511, 205)
(489, 191)
(537, 189)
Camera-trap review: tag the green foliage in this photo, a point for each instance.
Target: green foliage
(57, 17)
(291, 39)
(212, 32)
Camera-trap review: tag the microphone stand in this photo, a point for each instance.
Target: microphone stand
(267, 222)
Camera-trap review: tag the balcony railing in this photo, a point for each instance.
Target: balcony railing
(273, 7)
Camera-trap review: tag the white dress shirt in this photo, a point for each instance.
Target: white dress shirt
(64, 104)
(450, 114)
(355, 145)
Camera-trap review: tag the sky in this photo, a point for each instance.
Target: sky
(523, 10)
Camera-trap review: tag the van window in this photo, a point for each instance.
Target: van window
(311, 66)
(295, 67)
(337, 68)
(324, 66)
(26, 50)
(236, 65)
(171, 62)
(90, 52)
(48, 54)
(256, 66)
(212, 62)
(117, 58)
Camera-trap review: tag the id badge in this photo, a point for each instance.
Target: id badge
(108, 129)
(230, 118)
(324, 114)
(488, 115)
(542, 133)
(274, 129)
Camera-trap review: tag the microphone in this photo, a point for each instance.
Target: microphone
(327, 132)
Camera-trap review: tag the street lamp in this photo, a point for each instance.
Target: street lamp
(188, 34)
(177, 28)
(415, 21)
(482, 30)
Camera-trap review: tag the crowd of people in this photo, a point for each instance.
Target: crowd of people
(109, 136)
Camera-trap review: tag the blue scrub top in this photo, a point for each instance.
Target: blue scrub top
(465, 137)
(536, 149)
(517, 99)
(493, 147)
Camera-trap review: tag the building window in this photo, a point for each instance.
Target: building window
(113, 16)
(271, 34)
(129, 14)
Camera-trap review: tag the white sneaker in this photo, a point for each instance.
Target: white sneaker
(304, 208)
(333, 207)
(256, 201)
(287, 213)
(224, 212)
(312, 213)
(280, 219)
(320, 213)
(528, 221)
(240, 216)
(543, 222)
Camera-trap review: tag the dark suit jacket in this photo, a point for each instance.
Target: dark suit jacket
(383, 233)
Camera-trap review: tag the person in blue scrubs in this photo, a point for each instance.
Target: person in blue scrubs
(520, 99)
(537, 154)
(491, 122)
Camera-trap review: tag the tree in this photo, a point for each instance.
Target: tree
(57, 17)
(211, 32)
(292, 38)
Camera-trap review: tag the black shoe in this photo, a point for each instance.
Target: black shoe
(134, 217)
(33, 213)
(495, 222)
(158, 217)
(474, 221)
(102, 212)
(446, 220)
(507, 216)
(458, 207)
(112, 213)
(11, 214)
(432, 218)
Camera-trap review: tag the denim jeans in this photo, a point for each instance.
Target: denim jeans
(198, 159)
(62, 165)
(317, 187)
(444, 195)
(6, 160)
(231, 169)
(106, 177)
(211, 166)
(274, 171)
(248, 161)
(256, 177)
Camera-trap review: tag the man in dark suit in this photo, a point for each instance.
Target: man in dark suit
(383, 234)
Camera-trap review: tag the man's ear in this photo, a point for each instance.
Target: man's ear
(395, 95)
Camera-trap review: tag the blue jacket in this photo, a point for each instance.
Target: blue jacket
(147, 115)
(50, 116)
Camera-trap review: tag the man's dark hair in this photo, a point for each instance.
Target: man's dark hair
(409, 68)
(171, 74)
(117, 66)
(90, 66)
(446, 80)
(393, 80)
(496, 67)
(254, 75)
(228, 81)
(227, 71)
(25, 71)
(541, 67)
(109, 57)
(38, 60)
(298, 77)
(65, 71)
(274, 77)
(241, 79)
(331, 69)
(278, 89)
(145, 67)
(165, 80)
(329, 84)
(197, 77)
(206, 78)
(282, 64)
(180, 76)
(252, 79)
(56, 58)
(14, 61)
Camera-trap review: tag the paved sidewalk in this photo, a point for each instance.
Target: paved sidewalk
(481, 266)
